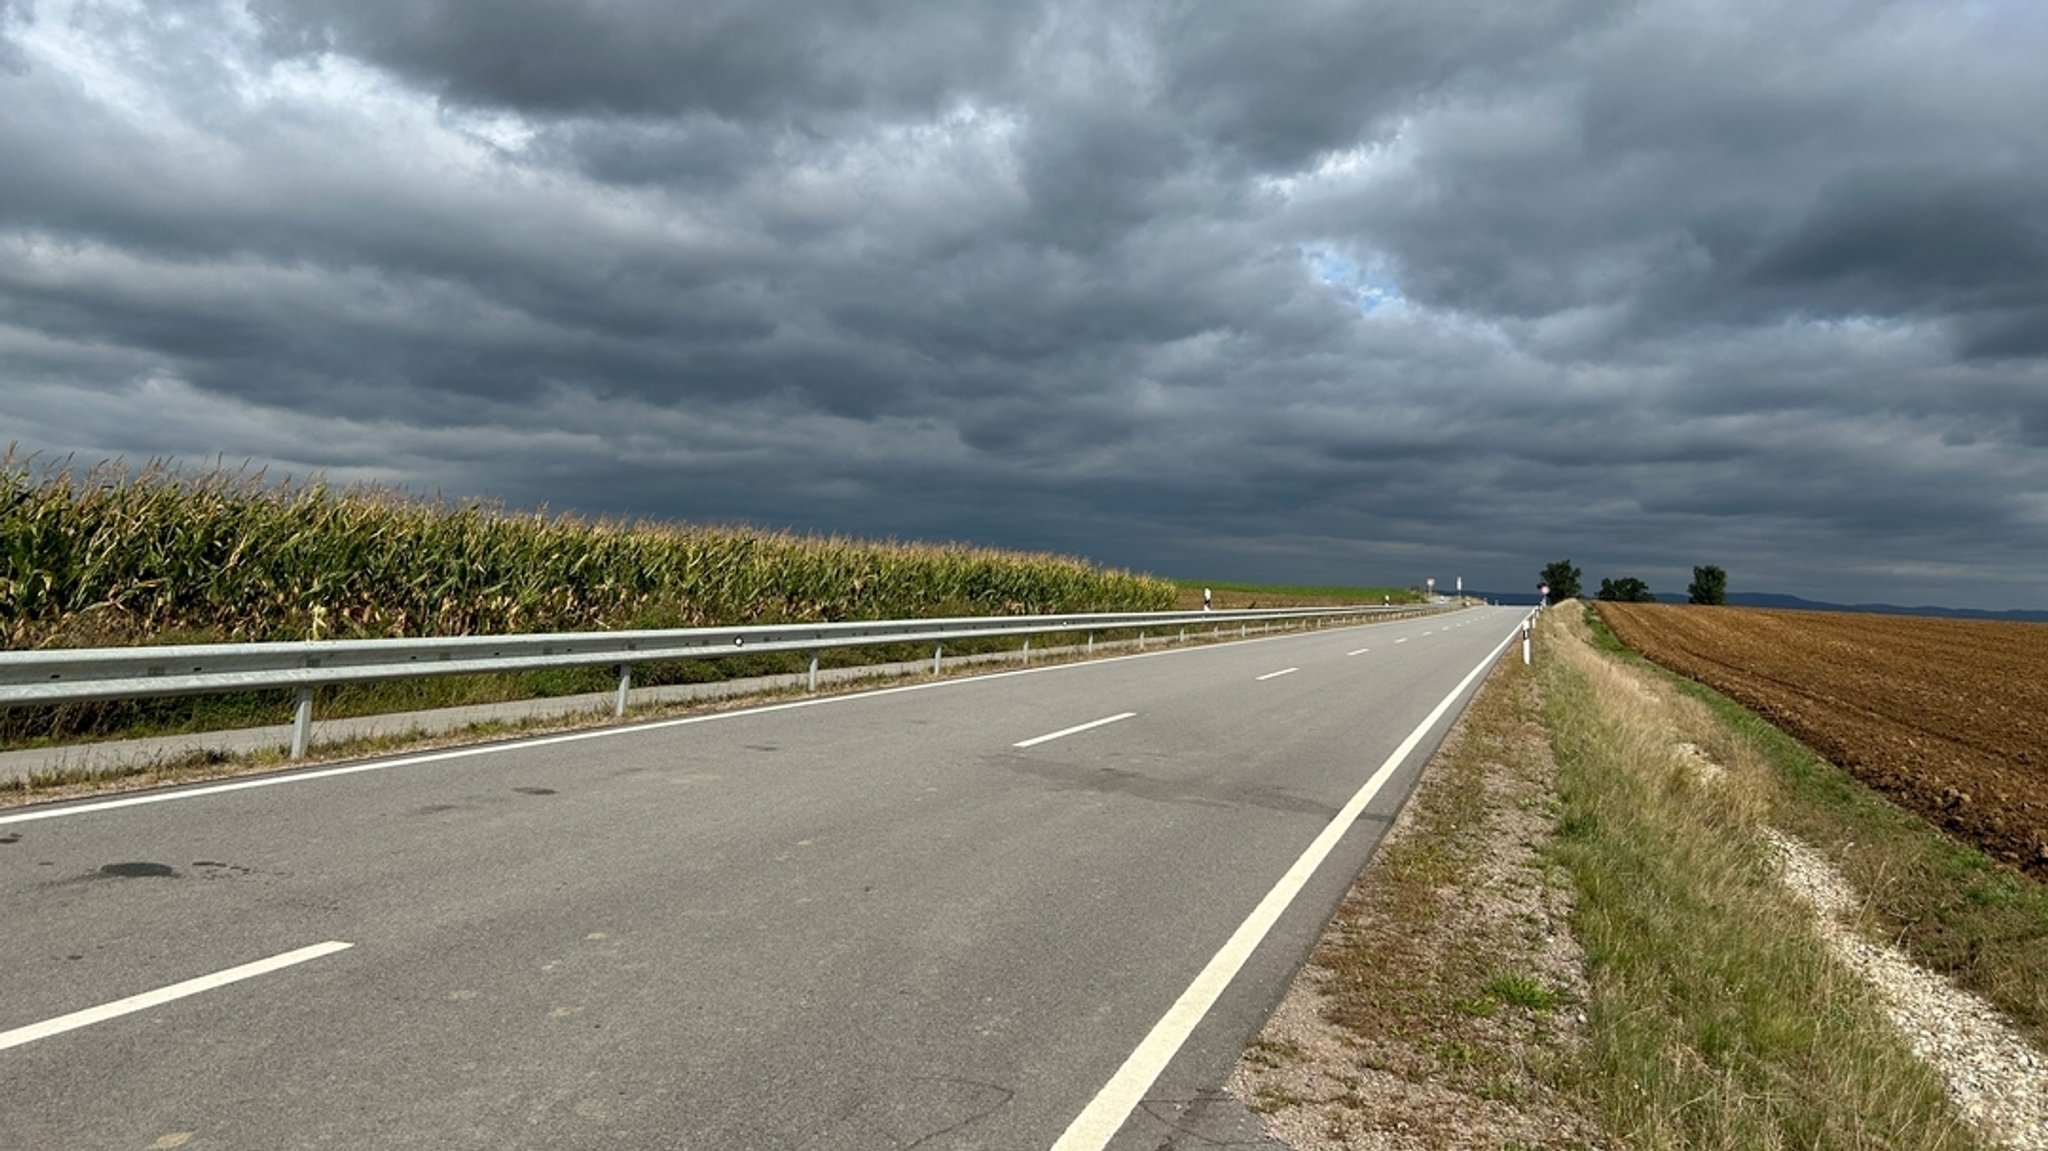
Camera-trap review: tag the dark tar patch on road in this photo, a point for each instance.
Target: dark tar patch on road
(139, 871)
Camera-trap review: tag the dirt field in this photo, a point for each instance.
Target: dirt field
(1947, 717)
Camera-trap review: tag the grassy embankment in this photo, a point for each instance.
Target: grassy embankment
(160, 556)
(1714, 1017)
(1718, 1018)
(1948, 905)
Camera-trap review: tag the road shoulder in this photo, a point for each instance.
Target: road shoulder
(1442, 1007)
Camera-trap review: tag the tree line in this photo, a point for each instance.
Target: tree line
(1709, 585)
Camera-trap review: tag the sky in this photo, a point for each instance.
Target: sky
(1301, 291)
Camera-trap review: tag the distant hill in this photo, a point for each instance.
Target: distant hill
(1795, 603)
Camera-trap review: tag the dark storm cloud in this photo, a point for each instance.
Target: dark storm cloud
(1242, 75)
(1307, 291)
(737, 59)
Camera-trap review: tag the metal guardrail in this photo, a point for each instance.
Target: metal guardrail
(85, 675)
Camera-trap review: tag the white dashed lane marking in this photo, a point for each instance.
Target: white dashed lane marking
(1048, 737)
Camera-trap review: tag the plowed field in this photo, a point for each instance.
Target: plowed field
(1947, 717)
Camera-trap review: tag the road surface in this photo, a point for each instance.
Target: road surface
(959, 914)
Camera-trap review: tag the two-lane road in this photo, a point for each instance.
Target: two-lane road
(978, 913)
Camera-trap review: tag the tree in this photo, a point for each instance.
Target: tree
(1709, 585)
(1563, 579)
(1627, 589)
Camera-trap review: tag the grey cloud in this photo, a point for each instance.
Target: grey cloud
(13, 61)
(1317, 293)
(739, 59)
(1899, 242)
(699, 152)
(1821, 169)
(1243, 75)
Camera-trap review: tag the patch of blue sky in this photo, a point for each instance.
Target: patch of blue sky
(1369, 286)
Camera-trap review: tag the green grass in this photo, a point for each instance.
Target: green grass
(1519, 990)
(1604, 639)
(1718, 1018)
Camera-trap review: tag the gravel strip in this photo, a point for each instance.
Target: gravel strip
(1996, 1079)
(1389, 1039)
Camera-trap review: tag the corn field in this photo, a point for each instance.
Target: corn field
(115, 556)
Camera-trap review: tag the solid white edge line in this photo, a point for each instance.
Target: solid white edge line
(1048, 737)
(163, 995)
(1275, 674)
(1105, 1114)
(203, 790)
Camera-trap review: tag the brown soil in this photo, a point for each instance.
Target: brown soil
(1948, 718)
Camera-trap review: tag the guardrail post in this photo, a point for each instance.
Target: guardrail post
(936, 649)
(1091, 643)
(625, 683)
(1141, 639)
(814, 672)
(1183, 635)
(302, 723)
(1027, 651)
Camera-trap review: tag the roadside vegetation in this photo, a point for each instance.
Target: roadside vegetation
(1718, 1017)
(1579, 934)
(116, 556)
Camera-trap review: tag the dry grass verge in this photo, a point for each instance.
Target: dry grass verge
(1719, 1019)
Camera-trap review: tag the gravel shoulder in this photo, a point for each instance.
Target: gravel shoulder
(1443, 1007)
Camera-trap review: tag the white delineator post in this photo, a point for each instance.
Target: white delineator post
(1525, 643)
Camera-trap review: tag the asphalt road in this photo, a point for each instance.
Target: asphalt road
(870, 921)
